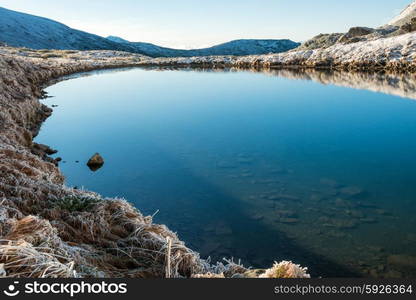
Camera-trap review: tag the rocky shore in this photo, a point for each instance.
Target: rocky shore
(49, 230)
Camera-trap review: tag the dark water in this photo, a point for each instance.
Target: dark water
(249, 165)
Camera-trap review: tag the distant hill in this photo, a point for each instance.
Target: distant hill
(236, 47)
(405, 16)
(24, 30)
(402, 24)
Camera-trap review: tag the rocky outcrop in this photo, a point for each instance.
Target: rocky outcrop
(95, 162)
(405, 16)
(402, 24)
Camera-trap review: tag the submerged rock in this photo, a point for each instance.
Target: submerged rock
(257, 217)
(329, 182)
(289, 221)
(352, 191)
(402, 261)
(95, 162)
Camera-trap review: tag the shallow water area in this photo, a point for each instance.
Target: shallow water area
(255, 166)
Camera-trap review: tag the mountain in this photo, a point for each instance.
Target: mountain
(236, 47)
(402, 24)
(24, 30)
(405, 16)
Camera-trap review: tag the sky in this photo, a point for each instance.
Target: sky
(196, 23)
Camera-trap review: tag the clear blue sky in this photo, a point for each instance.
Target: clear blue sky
(197, 23)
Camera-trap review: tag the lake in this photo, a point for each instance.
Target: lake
(255, 166)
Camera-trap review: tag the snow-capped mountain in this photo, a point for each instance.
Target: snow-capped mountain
(405, 16)
(236, 47)
(24, 30)
(402, 24)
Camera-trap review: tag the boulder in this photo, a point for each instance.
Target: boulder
(359, 31)
(95, 162)
(409, 27)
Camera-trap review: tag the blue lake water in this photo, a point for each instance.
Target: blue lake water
(249, 165)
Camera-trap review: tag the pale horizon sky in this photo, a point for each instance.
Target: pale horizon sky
(196, 23)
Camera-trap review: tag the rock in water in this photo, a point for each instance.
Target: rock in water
(95, 162)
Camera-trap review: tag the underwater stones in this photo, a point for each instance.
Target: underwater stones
(355, 213)
(392, 274)
(338, 223)
(402, 262)
(286, 213)
(345, 224)
(341, 203)
(246, 175)
(366, 204)
(368, 220)
(380, 268)
(43, 149)
(288, 221)
(257, 217)
(336, 234)
(329, 182)
(265, 181)
(95, 162)
(382, 212)
(289, 197)
(317, 198)
(352, 191)
(284, 197)
(287, 217)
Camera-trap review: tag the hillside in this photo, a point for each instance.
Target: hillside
(405, 16)
(402, 24)
(24, 30)
(236, 47)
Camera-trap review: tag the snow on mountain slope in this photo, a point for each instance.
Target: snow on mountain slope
(236, 47)
(402, 24)
(405, 16)
(24, 30)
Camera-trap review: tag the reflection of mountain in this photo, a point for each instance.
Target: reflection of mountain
(402, 85)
